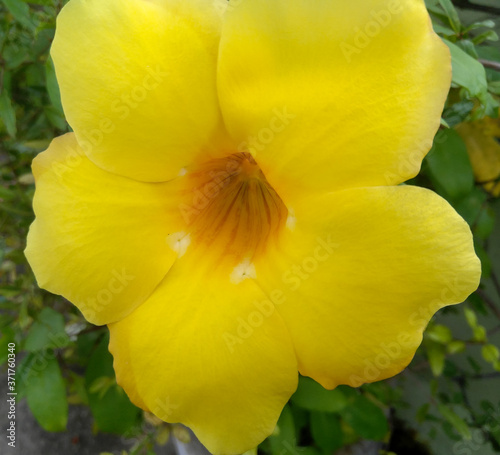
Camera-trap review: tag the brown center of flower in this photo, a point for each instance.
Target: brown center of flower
(230, 206)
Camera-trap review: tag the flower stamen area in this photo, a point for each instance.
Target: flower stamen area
(229, 206)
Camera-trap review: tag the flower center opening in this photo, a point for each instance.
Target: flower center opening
(231, 207)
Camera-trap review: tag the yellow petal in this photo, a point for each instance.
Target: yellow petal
(122, 369)
(210, 352)
(137, 82)
(333, 94)
(99, 240)
(480, 137)
(362, 272)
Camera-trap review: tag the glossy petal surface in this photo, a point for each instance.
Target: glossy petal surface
(137, 82)
(362, 273)
(332, 94)
(99, 240)
(210, 353)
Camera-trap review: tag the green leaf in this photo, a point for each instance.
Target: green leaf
(366, 419)
(449, 165)
(457, 422)
(24, 372)
(479, 334)
(284, 434)
(45, 2)
(437, 13)
(470, 317)
(456, 346)
(7, 194)
(490, 35)
(55, 117)
(7, 337)
(114, 402)
(485, 223)
(481, 24)
(47, 332)
(14, 55)
(21, 12)
(467, 71)
(86, 342)
(7, 113)
(488, 107)
(468, 47)
(444, 123)
(436, 354)
(101, 385)
(46, 394)
(490, 353)
(484, 258)
(470, 206)
(42, 43)
(452, 14)
(53, 86)
(300, 418)
(312, 396)
(442, 29)
(494, 87)
(326, 431)
(439, 333)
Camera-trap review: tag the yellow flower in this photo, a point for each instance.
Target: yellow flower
(229, 203)
(481, 138)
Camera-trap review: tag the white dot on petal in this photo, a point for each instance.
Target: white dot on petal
(179, 242)
(243, 271)
(291, 221)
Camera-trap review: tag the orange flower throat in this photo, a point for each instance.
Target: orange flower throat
(230, 206)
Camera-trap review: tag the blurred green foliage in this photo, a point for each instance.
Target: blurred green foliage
(64, 361)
